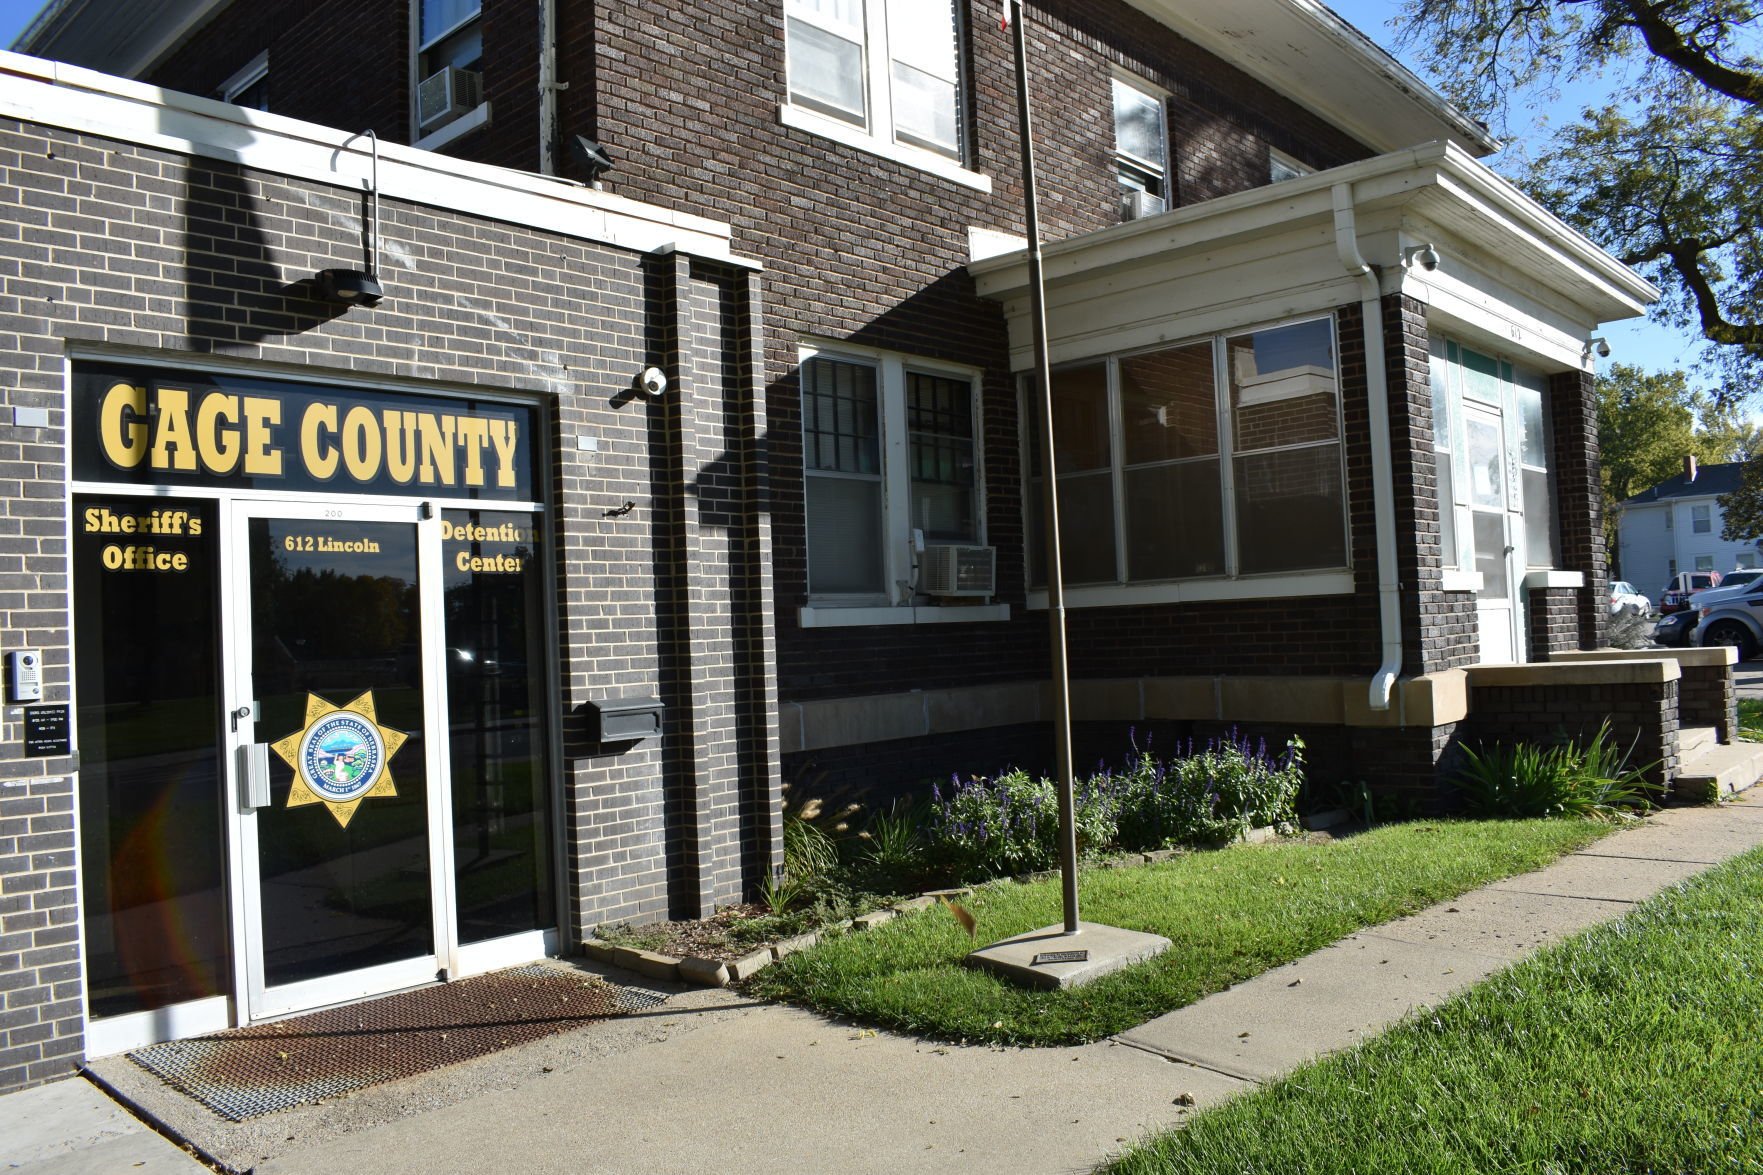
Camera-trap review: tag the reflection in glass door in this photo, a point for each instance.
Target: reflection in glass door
(339, 857)
(1491, 535)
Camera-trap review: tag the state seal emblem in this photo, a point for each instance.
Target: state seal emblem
(339, 758)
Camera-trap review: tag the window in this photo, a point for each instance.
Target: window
(1444, 431)
(1533, 464)
(1211, 458)
(1671, 568)
(1141, 147)
(250, 86)
(1745, 561)
(889, 447)
(1704, 562)
(1700, 522)
(449, 70)
(1282, 167)
(1670, 520)
(888, 68)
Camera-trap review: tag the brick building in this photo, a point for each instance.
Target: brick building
(1324, 432)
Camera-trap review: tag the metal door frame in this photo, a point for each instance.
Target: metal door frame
(255, 1000)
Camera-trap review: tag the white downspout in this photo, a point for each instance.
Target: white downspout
(1389, 587)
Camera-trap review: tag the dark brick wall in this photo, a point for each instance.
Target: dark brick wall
(1554, 621)
(1408, 770)
(877, 773)
(107, 245)
(1573, 422)
(1643, 719)
(1438, 627)
(1706, 698)
(342, 63)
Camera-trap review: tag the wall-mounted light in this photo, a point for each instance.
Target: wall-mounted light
(1598, 345)
(357, 287)
(1425, 256)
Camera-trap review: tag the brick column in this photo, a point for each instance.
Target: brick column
(1573, 421)
(1554, 622)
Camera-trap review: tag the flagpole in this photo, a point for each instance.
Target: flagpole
(1049, 485)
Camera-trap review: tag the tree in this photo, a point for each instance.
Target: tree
(1666, 177)
(1648, 423)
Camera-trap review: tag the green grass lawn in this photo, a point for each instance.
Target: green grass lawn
(1751, 719)
(1230, 914)
(1630, 1048)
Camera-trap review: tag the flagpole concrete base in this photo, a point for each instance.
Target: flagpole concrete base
(1105, 949)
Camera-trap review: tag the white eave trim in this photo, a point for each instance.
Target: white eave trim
(82, 100)
(1306, 52)
(1511, 221)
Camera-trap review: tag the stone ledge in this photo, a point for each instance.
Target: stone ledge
(1650, 671)
(1716, 655)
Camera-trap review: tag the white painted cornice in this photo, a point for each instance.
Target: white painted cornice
(1439, 182)
(1300, 49)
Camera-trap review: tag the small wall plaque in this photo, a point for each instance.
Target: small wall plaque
(46, 732)
(1046, 957)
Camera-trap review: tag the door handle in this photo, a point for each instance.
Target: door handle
(253, 776)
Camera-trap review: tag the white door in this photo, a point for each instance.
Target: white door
(337, 726)
(1493, 535)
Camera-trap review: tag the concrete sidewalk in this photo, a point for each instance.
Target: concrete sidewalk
(73, 1128)
(711, 1080)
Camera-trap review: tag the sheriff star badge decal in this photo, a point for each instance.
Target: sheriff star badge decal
(339, 758)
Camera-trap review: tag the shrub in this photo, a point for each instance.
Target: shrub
(1526, 780)
(1010, 823)
(1210, 795)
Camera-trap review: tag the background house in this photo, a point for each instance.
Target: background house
(1676, 526)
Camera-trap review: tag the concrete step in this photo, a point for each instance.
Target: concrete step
(1715, 771)
(1691, 739)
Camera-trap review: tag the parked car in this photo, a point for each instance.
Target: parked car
(1623, 595)
(1675, 595)
(1731, 616)
(1674, 631)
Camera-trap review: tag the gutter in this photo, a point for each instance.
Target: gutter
(548, 87)
(1389, 588)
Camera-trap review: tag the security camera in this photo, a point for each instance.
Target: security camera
(1598, 346)
(1425, 256)
(653, 380)
(1603, 349)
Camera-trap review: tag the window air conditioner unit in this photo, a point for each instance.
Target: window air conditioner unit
(959, 571)
(1135, 205)
(447, 94)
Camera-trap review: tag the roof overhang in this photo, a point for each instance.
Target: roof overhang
(123, 39)
(1511, 267)
(1306, 52)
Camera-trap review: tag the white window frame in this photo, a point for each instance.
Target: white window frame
(1282, 167)
(419, 46)
(1704, 563)
(1156, 177)
(1701, 519)
(874, 133)
(255, 71)
(898, 603)
(1231, 584)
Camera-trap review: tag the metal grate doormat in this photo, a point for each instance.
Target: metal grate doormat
(247, 1072)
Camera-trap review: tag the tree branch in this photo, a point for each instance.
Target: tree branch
(1686, 258)
(1666, 42)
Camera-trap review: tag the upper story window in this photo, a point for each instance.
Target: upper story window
(1701, 520)
(449, 70)
(889, 448)
(250, 86)
(882, 75)
(1281, 167)
(1141, 148)
(1214, 458)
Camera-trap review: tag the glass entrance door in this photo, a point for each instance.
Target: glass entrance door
(1494, 541)
(342, 864)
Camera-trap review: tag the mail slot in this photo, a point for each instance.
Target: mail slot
(618, 720)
